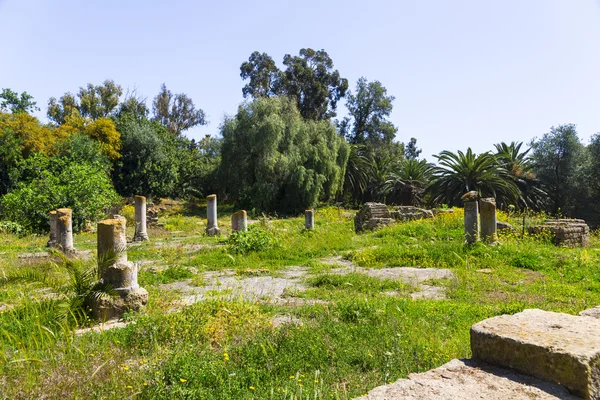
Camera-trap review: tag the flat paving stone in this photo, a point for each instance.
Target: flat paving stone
(553, 346)
(226, 284)
(469, 380)
(103, 327)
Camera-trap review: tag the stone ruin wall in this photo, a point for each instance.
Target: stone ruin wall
(565, 232)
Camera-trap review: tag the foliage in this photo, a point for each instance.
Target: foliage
(264, 76)
(84, 188)
(459, 173)
(369, 109)
(308, 78)
(176, 112)
(198, 167)
(149, 163)
(558, 161)
(12, 227)
(273, 160)
(359, 170)
(16, 103)
(254, 239)
(32, 135)
(10, 160)
(102, 130)
(411, 152)
(78, 294)
(82, 148)
(92, 102)
(519, 167)
(406, 182)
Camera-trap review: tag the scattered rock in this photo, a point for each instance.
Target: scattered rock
(280, 320)
(504, 226)
(485, 271)
(591, 312)
(103, 327)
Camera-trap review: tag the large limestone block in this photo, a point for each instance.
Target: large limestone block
(557, 347)
(469, 380)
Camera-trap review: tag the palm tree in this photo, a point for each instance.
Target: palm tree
(518, 165)
(459, 173)
(405, 182)
(359, 169)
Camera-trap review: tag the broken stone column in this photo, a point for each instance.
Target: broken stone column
(53, 228)
(471, 217)
(239, 221)
(212, 229)
(309, 219)
(64, 230)
(488, 220)
(116, 271)
(140, 219)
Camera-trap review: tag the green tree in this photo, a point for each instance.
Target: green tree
(92, 101)
(359, 170)
(16, 103)
(411, 152)
(176, 112)
(198, 167)
(593, 181)
(518, 165)
(10, 160)
(370, 108)
(83, 187)
(406, 181)
(263, 74)
(558, 162)
(273, 160)
(149, 163)
(308, 78)
(459, 173)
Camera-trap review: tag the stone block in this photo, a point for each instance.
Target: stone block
(372, 216)
(410, 213)
(557, 347)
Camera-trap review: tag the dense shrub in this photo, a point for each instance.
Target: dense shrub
(83, 187)
(254, 239)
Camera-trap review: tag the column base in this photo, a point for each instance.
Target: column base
(213, 231)
(108, 308)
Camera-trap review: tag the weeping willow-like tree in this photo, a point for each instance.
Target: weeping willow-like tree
(273, 160)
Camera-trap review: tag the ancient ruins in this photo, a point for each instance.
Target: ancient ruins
(140, 219)
(239, 221)
(212, 228)
(116, 271)
(564, 232)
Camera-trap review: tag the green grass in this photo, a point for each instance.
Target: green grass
(357, 331)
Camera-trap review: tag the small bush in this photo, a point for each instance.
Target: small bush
(254, 239)
(12, 227)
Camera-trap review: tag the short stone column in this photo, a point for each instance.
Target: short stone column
(309, 219)
(116, 271)
(140, 219)
(64, 230)
(488, 220)
(471, 217)
(53, 228)
(212, 228)
(239, 221)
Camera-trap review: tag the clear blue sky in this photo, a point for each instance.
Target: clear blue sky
(464, 72)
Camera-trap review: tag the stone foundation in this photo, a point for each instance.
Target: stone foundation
(372, 216)
(409, 213)
(565, 232)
